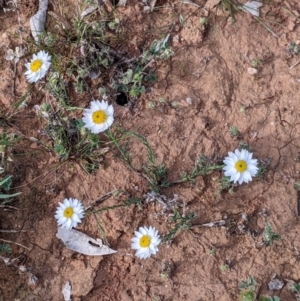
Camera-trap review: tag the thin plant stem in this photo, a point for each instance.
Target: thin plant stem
(16, 243)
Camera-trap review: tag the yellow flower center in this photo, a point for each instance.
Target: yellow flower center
(240, 166)
(98, 117)
(35, 65)
(145, 241)
(68, 212)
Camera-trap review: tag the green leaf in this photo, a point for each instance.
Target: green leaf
(127, 77)
(247, 296)
(268, 235)
(5, 248)
(6, 183)
(249, 283)
(6, 196)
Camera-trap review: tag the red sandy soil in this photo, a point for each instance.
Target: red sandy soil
(207, 88)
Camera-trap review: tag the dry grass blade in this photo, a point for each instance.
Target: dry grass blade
(101, 199)
(194, 4)
(219, 223)
(294, 65)
(13, 242)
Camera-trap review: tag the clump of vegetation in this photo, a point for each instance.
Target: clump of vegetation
(88, 51)
(81, 49)
(133, 79)
(247, 296)
(70, 140)
(262, 168)
(294, 287)
(247, 288)
(243, 145)
(5, 185)
(224, 184)
(294, 48)
(5, 198)
(202, 167)
(269, 236)
(248, 293)
(155, 174)
(233, 131)
(7, 141)
(182, 222)
(5, 248)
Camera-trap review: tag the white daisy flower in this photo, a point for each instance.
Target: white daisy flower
(99, 117)
(38, 66)
(145, 242)
(69, 213)
(240, 166)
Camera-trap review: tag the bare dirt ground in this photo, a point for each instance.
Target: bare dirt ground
(207, 88)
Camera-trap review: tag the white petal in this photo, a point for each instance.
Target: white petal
(245, 176)
(135, 239)
(253, 162)
(75, 218)
(62, 220)
(240, 180)
(139, 252)
(229, 168)
(143, 230)
(232, 156)
(94, 107)
(237, 153)
(155, 240)
(230, 173)
(103, 105)
(138, 234)
(67, 203)
(243, 155)
(68, 223)
(228, 161)
(109, 120)
(135, 246)
(152, 249)
(237, 177)
(110, 110)
(74, 224)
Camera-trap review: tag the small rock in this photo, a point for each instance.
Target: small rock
(189, 100)
(275, 285)
(252, 71)
(66, 291)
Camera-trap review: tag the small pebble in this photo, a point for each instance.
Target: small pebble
(252, 71)
(189, 100)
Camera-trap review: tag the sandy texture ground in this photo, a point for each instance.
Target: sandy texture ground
(206, 87)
